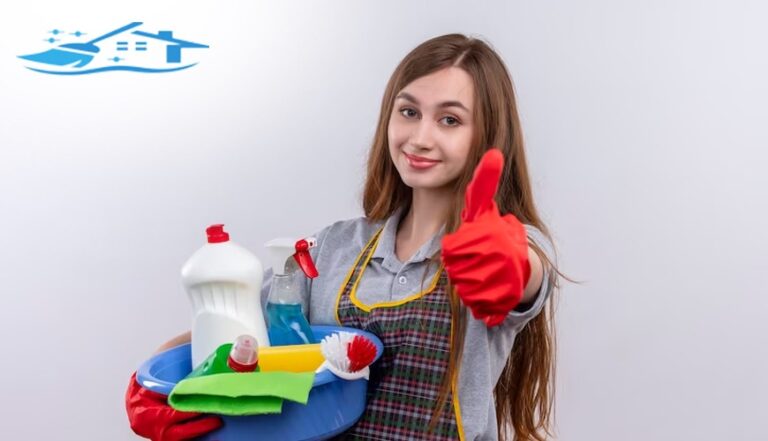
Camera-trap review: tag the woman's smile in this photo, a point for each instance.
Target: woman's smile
(420, 163)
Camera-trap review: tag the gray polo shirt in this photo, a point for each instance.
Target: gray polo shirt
(388, 279)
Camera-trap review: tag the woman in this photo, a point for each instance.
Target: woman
(450, 266)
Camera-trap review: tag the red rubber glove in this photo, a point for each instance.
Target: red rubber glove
(152, 417)
(487, 257)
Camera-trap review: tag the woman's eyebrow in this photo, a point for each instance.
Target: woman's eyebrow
(411, 98)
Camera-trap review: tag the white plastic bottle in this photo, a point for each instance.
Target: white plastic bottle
(223, 281)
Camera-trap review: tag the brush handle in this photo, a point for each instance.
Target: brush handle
(115, 32)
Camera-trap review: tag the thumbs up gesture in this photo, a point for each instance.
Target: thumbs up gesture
(487, 257)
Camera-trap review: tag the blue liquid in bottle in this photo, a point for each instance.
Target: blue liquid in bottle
(287, 325)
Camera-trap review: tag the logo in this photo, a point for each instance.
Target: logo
(125, 48)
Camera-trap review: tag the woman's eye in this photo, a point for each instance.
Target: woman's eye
(410, 113)
(451, 121)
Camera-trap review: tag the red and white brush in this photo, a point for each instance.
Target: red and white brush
(347, 355)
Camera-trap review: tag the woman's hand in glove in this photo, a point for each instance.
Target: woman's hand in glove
(151, 417)
(487, 257)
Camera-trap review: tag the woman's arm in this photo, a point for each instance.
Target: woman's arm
(536, 277)
(176, 341)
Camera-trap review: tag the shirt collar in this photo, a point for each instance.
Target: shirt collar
(386, 247)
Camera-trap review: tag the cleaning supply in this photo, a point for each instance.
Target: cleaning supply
(286, 308)
(332, 407)
(291, 358)
(253, 393)
(244, 356)
(230, 382)
(218, 363)
(347, 355)
(223, 281)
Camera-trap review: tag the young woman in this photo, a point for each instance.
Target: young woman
(450, 267)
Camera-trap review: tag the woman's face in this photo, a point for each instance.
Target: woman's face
(430, 129)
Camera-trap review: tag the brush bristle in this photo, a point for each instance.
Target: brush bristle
(361, 352)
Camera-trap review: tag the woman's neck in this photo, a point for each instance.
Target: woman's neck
(426, 215)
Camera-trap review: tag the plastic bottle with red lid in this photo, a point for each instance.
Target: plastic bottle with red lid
(223, 281)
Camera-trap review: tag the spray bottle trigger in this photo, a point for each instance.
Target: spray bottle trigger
(303, 258)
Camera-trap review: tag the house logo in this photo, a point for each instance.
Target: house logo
(125, 48)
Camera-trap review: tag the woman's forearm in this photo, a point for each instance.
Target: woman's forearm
(176, 341)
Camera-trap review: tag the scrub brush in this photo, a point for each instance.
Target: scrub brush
(347, 355)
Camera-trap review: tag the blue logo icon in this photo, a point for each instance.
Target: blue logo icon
(125, 48)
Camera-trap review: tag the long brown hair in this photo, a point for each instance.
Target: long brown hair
(525, 391)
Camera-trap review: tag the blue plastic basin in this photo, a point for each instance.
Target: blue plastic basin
(334, 404)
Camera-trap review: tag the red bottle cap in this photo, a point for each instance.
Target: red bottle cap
(239, 367)
(244, 355)
(216, 234)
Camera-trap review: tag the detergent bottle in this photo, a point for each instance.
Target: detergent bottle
(240, 356)
(244, 355)
(223, 282)
(286, 308)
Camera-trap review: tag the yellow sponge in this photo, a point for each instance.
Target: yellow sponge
(291, 358)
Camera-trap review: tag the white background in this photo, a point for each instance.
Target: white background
(645, 125)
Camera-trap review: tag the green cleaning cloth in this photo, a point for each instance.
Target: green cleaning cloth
(214, 388)
(251, 393)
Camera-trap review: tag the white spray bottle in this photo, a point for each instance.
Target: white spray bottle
(223, 281)
(286, 307)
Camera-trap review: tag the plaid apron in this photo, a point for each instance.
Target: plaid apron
(405, 382)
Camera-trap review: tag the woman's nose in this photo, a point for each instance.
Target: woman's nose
(423, 136)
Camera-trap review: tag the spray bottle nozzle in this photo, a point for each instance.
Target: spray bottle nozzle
(281, 250)
(303, 258)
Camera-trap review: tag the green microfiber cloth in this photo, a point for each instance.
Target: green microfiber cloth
(214, 388)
